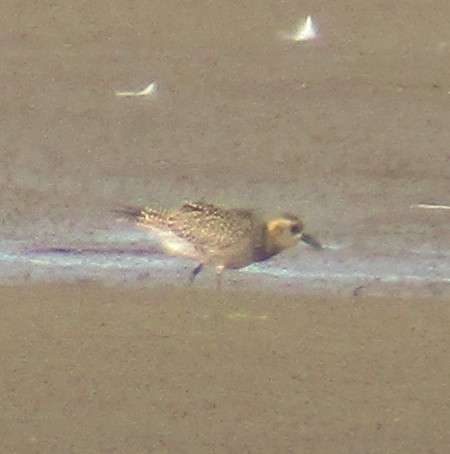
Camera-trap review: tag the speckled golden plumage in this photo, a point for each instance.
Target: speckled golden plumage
(216, 236)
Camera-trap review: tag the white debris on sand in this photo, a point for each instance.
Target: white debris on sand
(431, 206)
(147, 91)
(306, 30)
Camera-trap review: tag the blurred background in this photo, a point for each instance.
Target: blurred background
(349, 131)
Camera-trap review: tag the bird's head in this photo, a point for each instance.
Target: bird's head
(287, 231)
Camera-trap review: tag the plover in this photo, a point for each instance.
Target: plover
(216, 236)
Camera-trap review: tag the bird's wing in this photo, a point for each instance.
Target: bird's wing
(210, 227)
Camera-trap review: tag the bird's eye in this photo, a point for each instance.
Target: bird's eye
(295, 229)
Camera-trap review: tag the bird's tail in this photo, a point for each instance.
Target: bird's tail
(143, 216)
(129, 214)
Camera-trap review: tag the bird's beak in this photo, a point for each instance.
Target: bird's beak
(308, 239)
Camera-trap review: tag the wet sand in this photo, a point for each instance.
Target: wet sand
(347, 131)
(87, 368)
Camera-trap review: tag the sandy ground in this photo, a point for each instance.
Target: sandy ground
(92, 369)
(348, 131)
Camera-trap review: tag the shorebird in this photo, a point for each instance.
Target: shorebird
(216, 236)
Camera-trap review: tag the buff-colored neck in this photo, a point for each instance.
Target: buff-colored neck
(267, 247)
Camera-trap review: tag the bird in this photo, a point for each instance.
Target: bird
(217, 236)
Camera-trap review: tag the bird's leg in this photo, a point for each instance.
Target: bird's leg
(219, 273)
(194, 273)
